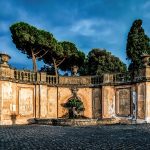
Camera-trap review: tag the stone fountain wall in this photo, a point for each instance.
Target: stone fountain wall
(25, 95)
(20, 102)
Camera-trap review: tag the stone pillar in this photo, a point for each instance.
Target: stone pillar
(43, 77)
(37, 101)
(147, 102)
(146, 77)
(6, 74)
(38, 77)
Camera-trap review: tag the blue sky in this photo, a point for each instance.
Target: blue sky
(87, 23)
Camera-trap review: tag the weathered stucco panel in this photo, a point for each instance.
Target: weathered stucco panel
(123, 101)
(108, 98)
(26, 101)
(85, 94)
(127, 96)
(13, 96)
(52, 102)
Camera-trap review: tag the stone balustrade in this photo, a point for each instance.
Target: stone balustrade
(52, 80)
(27, 76)
(22, 75)
(42, 77)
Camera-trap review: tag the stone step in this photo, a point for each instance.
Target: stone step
(67, 122)
(85, 122)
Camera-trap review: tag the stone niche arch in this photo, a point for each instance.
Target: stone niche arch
(72, 97)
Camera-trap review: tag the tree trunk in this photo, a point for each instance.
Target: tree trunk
(55, 66)
(34, 62)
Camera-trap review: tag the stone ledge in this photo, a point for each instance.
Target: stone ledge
(67, 122)
(75, 122)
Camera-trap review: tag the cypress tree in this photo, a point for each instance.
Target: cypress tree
(137, 45)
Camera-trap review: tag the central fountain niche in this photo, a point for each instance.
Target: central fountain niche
(74, 106)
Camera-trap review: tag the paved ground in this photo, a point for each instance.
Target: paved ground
(40, 137)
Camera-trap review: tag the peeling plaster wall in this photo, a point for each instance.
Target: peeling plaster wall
(17, 102)
(20, 103)
(27, 101)
(8, 101)
(85, 95)
(108, 108)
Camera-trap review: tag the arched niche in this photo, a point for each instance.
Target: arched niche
(75, 107)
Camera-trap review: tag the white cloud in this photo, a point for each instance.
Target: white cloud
(88, 27)
(84, 27)
(101, 30)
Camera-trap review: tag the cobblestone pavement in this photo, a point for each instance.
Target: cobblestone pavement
(44, 137)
